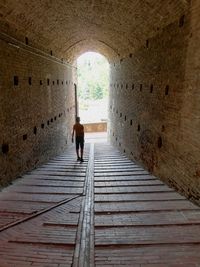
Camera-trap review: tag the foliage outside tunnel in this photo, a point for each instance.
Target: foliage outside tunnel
(93, 82)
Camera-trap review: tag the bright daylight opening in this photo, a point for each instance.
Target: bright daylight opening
(93, 83)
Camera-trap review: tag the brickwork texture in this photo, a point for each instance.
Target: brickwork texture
(36, 109)
(154, 111)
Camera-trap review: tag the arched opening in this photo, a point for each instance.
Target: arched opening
(92, 92)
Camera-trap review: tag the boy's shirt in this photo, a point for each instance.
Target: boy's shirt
(79, 129)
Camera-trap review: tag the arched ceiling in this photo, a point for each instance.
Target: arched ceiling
(69, 28)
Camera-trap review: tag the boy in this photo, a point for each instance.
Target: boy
(79, 134)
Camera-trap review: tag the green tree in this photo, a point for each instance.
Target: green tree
(97, 92)
(93, 76)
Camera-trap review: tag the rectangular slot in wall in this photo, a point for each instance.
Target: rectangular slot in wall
(16, 80)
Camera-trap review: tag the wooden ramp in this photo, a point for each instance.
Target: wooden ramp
(104, 212)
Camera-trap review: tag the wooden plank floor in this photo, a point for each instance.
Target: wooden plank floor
(104, 212)
(40, 214)
(139, 221)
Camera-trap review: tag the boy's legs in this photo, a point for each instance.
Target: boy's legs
(82, 148)
(77, 148)
(77, 153)
(81, 153)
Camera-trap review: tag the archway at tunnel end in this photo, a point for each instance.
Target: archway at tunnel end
(92, 92)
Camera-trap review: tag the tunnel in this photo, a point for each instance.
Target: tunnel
(153, 48)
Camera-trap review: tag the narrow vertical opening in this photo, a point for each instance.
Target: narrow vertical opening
(5, 148)
(26, 40)
(16, 80)
(167, 90)
(92, 93)
(151, 88)
(24, 137)
(181, 21)
(159, 142)
(35, 130)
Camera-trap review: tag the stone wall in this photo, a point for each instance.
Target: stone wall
(36, 108)
(154, 104)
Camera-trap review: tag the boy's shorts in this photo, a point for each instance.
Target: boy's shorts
(79, 142)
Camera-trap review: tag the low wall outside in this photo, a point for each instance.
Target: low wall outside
(95, 127)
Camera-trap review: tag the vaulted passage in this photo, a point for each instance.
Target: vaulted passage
(153, 49)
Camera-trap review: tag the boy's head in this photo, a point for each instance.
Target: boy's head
(77, 119)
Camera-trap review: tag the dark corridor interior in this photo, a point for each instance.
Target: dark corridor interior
(153, 49)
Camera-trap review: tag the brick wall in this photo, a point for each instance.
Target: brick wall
(154, 104)
(36, 108)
